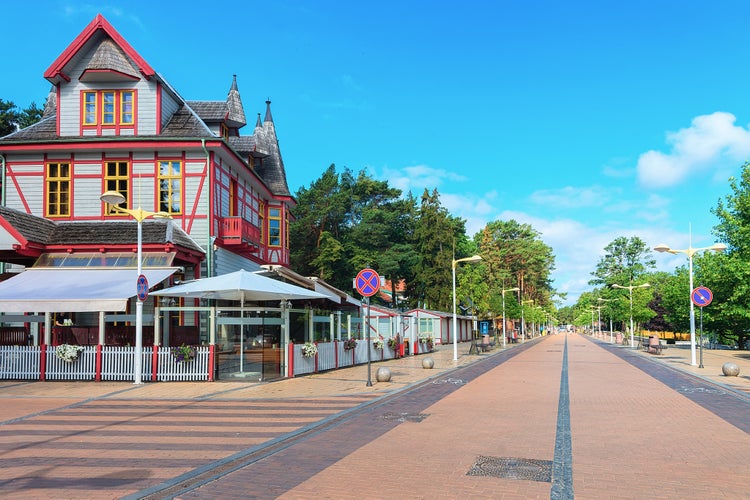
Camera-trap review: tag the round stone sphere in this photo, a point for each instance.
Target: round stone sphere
(383, 374)
(428, 363)
(730, 369)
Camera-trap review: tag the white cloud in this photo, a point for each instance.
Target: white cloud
(711, 142)
(417, 178)
(573, 197)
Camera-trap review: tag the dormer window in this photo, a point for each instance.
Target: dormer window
(224, 132)
(108, 109)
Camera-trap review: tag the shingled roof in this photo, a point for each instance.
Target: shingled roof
(111, 232)
(121, 232)
(271, 169)
(186, 123)
(31, 227)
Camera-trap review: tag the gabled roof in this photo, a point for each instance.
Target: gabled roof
(56, 71)
(108, 59)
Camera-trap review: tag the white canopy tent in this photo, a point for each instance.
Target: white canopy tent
(74, 289)
(242, 286)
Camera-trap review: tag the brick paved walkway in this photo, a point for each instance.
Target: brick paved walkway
(641, 426)
(632, 437)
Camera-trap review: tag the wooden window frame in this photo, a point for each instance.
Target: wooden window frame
(274, 216)
(111, 108)
(57, 189)
(169, 183)
(117, 181)
(90, 108)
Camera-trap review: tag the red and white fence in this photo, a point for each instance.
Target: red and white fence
(102, 362)
(333, 355)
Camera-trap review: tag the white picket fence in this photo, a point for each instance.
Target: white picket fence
(117, 364)
(332, 355)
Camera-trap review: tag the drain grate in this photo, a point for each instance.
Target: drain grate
(512, 468)
(405, 417)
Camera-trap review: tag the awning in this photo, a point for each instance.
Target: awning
(74, 290)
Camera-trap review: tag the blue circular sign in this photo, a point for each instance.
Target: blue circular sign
(367, 282)
(701, 296)
(141, 286)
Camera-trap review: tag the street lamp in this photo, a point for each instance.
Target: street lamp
(610, 318)
(630, 289)
(473, 258)
(514, 289)
(690, 251)
(115, 198)
(523, 325)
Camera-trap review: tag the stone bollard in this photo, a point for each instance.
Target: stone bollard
(383, 374)
(730, 369)
(428, 363)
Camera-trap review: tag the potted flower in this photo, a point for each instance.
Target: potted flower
(309, 350)
(67, 352)
(183, 353)
(350, 344)
(378, 344)
(393, 343)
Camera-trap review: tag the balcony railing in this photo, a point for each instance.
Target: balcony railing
(236, 231)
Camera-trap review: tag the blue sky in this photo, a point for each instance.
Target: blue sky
(588, 120)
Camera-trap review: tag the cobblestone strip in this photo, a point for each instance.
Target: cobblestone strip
(562, 466)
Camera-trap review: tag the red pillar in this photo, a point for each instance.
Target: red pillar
(98, 375)
(211, 359)
(154, 362)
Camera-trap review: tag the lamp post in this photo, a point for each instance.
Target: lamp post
(514, 289)
(690, 251)
(610, 318)
(523, 325)
(473, 258)
(115, 198)
(630, 289)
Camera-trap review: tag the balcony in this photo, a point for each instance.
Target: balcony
(239, 235)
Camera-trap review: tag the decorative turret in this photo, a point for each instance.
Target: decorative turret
(271, 168)
(236, 113)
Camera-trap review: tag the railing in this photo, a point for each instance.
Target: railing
(332, 355)
(111, 363)
(237, 229)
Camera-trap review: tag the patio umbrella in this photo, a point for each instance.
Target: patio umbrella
(242, 286)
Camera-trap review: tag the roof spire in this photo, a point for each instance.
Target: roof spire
(258, 123)
(236, 113)
(268, 117)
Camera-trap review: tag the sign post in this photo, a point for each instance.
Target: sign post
(367, 284)
(701, 297)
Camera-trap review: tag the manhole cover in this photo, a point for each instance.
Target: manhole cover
(405, 417)
(513, 468)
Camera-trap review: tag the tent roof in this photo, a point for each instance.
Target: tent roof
(74, 289)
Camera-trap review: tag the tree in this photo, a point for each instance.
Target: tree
(624, 262)
(11, 119)
(436, 235)
(8, 117)
(515, 256)
(730, 273)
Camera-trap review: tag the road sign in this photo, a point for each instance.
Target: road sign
(141, 286)
(701, 296)
(367, 282)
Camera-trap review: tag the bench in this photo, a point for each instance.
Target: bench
(478, 347)
(653, 345)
